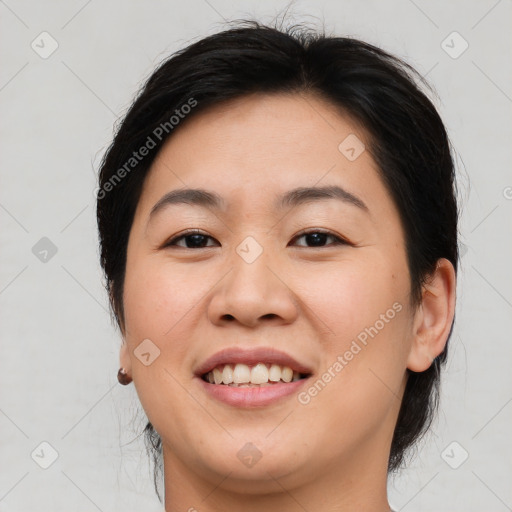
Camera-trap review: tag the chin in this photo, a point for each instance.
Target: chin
(259, 479)
(253, 469)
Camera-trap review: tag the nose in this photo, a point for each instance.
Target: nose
(252, 294)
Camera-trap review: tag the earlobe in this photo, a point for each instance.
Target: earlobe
(434, 317)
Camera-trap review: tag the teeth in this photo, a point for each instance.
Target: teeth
(259, 374)
(274, 374)
(227, 374)
(241, 375)
(286, 374)
(217, 376)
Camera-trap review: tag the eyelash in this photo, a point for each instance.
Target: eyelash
(338, 240)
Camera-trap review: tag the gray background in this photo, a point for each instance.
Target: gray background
(59, 351)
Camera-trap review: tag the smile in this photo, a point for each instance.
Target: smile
(259, 375)
(251, 377)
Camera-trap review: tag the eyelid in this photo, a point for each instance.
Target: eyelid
(339, 239)
(172, 241)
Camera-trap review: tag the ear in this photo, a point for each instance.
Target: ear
(433, 318)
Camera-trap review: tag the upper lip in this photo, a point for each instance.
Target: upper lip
(251, 356)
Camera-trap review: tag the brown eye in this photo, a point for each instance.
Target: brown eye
(199, 240)
(191, 240)
(319, 239)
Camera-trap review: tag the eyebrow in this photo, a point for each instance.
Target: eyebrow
(295, 197)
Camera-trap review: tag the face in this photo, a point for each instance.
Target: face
(294, 257)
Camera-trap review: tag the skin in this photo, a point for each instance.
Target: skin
(311, 302)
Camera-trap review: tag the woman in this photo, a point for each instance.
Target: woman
(278, 230)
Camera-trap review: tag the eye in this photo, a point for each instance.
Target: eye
(193, 239)
(319, 238)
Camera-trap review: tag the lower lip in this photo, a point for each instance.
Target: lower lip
(251, 397)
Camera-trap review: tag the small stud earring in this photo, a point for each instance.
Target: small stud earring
(123, 377)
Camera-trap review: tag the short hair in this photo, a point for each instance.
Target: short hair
(379, 91)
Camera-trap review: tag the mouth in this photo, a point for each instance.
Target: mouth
(250, 376)
(253, 377)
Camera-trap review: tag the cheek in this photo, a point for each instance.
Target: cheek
(364, 351)
(362, 307)
(352, 295)
(157, 297)
(159, 302)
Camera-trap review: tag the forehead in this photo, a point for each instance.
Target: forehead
(251, 149)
